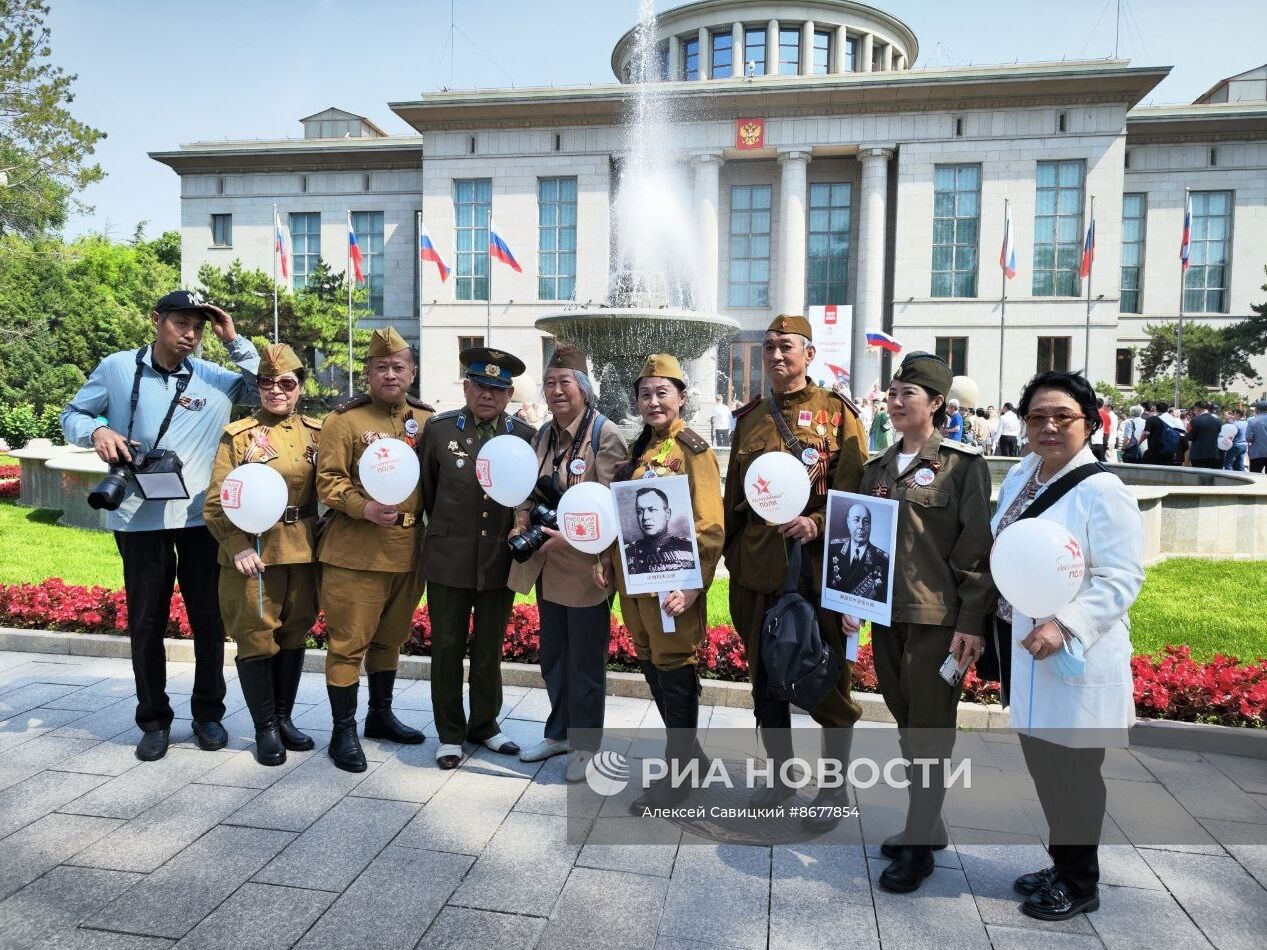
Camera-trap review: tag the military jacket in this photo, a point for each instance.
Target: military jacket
(350, 541)
(288, 445)
(942, 561)
(466, 530)
(756, 554)
(681, 452)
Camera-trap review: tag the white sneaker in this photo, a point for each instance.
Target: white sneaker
(577, 762)
(543, 750)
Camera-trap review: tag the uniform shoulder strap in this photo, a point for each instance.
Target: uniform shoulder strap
(849, 403)
(311, 422)
(242, 425)
(693, 441)
(417, 403)
(447, 414)
(353, 403)
(745, 409)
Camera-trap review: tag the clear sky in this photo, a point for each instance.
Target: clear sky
(154, 74)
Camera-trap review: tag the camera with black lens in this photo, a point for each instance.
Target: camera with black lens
(543, 514)
(156, 476)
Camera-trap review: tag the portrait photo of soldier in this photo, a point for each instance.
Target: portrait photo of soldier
(656, 531)
(857, 572)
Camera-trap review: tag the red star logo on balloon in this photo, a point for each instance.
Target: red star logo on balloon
(762, 486)
(383, 453)
(1073, 548)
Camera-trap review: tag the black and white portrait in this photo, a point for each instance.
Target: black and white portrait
(857, 560)
(657, 535)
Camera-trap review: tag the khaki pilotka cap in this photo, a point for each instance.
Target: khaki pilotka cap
(569, 356)
(927, 370)
(278, 358)
(663, 366)
(386, 342)
(791, 323)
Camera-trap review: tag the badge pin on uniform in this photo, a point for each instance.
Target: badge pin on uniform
(577, 466)
(924, 477)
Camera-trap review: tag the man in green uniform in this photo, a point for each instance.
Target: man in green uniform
(466, 559)
(370, 578)
(822, 429)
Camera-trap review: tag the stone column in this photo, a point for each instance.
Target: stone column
(840, 51)
(793, 166)
(703, 371)
(772, 48)
(900, 62)
(868, 312)
(705, 53)
(675, 58)
(868, 44)
(807, 48)
(739, 65)
(888, 57)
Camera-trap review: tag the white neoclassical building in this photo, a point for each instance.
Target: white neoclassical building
(821, 170)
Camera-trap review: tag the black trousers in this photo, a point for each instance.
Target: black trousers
(1258, 464)
(1008, 446)
(1213, 462)
(574, 644)
(152, 563)
(1071, 790)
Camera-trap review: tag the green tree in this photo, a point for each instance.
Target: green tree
(44, 149)
(1162, 389)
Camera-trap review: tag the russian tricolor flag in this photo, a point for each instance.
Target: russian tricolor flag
(884, 342)
(427, 251)
(841, 374)
(1007, 256)
(354, 253)
(1185, 245)
(279, 246)
(1088, 252)
(498, 249)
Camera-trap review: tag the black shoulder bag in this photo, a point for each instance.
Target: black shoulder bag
(799, 666)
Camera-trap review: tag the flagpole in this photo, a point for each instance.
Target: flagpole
(1090, 267)
(350, 279)
(418, 254)
(1183, 273)
(1003, 304)
(488, 302)
(277, 236)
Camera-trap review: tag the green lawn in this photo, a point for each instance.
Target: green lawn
(1212, 606)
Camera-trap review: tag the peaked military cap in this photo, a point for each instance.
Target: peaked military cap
(386, 342)
(495, 368)
(664, 366)
(791, 323)
(927, 370)
(278, 358)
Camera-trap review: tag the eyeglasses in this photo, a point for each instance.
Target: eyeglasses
(285, 384)
(1036, 420)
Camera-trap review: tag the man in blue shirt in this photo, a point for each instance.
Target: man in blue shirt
(161, 542)
(952, 428)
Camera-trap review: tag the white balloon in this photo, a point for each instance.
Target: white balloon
(1038, 566)
(1227, 435)
(587, 517)
(389, 471)
(253, 497)
(777, 486)
(506, 468)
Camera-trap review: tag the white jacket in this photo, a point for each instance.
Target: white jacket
(1102, 515)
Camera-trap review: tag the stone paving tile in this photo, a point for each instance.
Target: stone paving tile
(1020, 938)
(18, 730)
(105, 723)
(44, 844)
(40, 794)
(996, 811)
(547, 793)
(111, 757)
(941, 914)
(86, 699)
(1134, 919)
(74, 671)
(25, 760)
(704, 871)
(607, 909)
(1249, 774)
(1223, 900)
(498, 880)
(131, 793)
(459, 928)
(377, 913)
(258, 917)
(331, 853)
(44, 913)
(410, 775)
(301, 797)
(464, 814)
(632, 844)
(172, 900)
(1150, 815)
(674, 942)
(534, 707)
(1123, 764)
(31, 695)
(156, 835)
(243, 771)
(1206, 792)
(817, 890)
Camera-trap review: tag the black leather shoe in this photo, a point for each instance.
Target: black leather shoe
(449, 762)
(288, 667)
(210, 735)
(1028, 884)
(908, 871)
(892, 845)
(345, 748)
(153, 745)
(1055, 901)
(380, 721)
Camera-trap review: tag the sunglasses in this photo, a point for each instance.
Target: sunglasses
(285, 384)
(1036, 420)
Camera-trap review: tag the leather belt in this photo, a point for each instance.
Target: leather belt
(405, 520)
(295, 513)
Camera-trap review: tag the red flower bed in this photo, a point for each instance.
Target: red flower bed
(10, 485)
(1172, 686)
(9, 471)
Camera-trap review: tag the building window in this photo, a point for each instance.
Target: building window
(743, 371)
(789, 52)
(690, 58)
(1125, 375)
(956, 222)
(365, 183)
(1053, 354)
(1058, 228)
(219, 186)
(851, 55)
(305, 245)
(750, 246)
(222, 230)
(723, 55)
(1205, 283)
(472, 201)
(821, 64)
(368, 226)
(827, 245)
(467, 343)
(1133, 214)
(303, 184)
(954, 350)
(754, 52)
(556, 239)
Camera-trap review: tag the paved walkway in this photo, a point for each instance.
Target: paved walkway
(212, 850)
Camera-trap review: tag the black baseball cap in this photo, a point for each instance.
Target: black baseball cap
(185, 300)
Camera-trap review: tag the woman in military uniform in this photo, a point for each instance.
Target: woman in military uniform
(667, 447)
(942, 593)
(270, 644)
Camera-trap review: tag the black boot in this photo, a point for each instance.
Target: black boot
(651, 673)
(256, 679)
(345, 748)
(826, 809)
(288, 666)
(381, 722)
(892, 845)
(680, 708)
(778, 746)
(908, 870)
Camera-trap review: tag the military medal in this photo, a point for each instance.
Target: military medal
(453, 446)
(809, 457)
(821, 429)
(880, 490)
(835, 420)
(577, 466)
(461, 462)
(924, 477)
(650, 473)
(804, 418)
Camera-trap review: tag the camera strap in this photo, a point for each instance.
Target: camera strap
(182, 383)
(572, 449)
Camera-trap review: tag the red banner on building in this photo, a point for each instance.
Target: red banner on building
(749, 133)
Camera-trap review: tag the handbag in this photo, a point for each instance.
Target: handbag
(799, 666)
